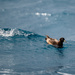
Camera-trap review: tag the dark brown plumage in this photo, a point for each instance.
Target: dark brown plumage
(55, 42)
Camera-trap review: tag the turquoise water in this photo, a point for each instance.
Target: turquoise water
(23, 26)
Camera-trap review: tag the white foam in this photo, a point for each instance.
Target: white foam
(12, 32)
(6, 33)
(28, 34)
(37, 14)
(42, 14)
(7, 71)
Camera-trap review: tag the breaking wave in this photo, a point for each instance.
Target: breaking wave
(6, 32)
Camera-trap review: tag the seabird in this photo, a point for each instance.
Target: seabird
(55, 42)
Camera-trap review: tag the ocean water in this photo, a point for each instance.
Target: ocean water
(23, 26)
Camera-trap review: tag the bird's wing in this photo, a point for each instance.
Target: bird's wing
(53, 41)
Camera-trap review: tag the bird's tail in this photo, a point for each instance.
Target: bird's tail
(47, 36)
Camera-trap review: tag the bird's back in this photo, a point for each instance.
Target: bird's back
(51, 40)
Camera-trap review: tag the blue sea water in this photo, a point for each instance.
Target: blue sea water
(23, 26)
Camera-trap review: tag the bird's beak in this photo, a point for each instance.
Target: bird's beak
(65, 41)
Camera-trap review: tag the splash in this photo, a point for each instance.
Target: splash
(6, 32)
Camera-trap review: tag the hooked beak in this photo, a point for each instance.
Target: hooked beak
(65, 41)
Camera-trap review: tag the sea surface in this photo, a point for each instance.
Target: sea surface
(23, 26)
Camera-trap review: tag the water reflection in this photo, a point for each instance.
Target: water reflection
(60, 52)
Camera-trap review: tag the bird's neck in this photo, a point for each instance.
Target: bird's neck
(60, 43)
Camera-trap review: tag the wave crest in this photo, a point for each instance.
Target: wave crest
(6, 32)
